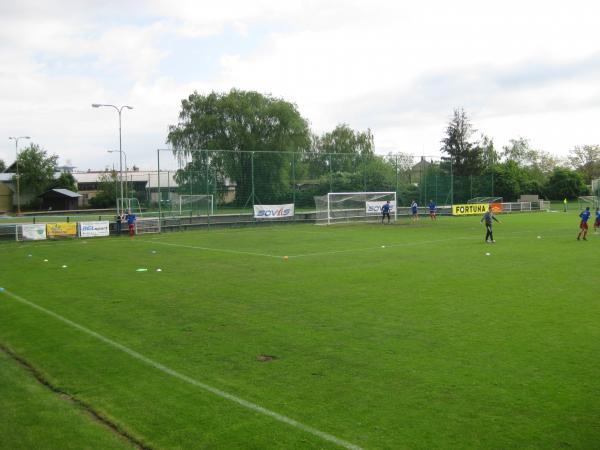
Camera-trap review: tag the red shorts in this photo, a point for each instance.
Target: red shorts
(583, 225)
(597, 224)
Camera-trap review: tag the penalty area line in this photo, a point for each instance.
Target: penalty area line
(167, 370)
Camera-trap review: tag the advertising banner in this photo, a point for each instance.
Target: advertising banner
(375, 207)
(33, 232)
(471, 208)
(93, 229)
(273, 211)
(61, 229)
(496, 207)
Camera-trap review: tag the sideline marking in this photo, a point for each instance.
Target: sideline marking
(223, 250)
(189, 380)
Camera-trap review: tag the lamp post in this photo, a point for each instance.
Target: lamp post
(126, 168)
(16, 139)
(119, 110)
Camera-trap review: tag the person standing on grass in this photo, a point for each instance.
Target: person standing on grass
(432, 210)
(119, 222)
(565, 203)
(597, 222)
(415, 210)
(131, 222)
(385, 211)
(489, 217)
(583, 226)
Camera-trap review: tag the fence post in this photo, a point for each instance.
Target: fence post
(294, 182)
(330, 174)
(252, 177)
(159, 206)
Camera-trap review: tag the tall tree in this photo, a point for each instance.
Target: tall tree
(466, 156)
(2, 166)
(64, 181)
(586, 160)
(565, 183)
(36, 169)
(258, 131)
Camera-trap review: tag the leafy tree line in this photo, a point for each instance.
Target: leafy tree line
(517, 168)
(37, 174)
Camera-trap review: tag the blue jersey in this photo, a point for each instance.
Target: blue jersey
(130, 219)
(585, 216)
(414, 207)
(597, 216)
(385, 208)
(432, 207)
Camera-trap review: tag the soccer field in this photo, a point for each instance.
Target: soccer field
(405, 336)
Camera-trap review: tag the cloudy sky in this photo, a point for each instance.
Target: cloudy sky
(519, 68)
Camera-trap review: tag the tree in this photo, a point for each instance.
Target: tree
(586, 160)
(36, 169)
(64, 181)
(107, 191)
(466, 156)
(2, 166)
(565, 183)
(258, 131)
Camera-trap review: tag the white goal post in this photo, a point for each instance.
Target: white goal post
(147, 225)
(353, 206)
(198, 204)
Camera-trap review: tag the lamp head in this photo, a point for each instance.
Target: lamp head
(96, 105)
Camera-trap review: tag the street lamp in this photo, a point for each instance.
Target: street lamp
(119, 110)
(16, 139)
(126, 168)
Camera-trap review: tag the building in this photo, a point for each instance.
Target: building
(59, 200)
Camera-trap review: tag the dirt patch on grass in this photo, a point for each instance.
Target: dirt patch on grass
(266, 358)
(95, 415)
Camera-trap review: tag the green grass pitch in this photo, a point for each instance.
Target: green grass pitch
(384, 337)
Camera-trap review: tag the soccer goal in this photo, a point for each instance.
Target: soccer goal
(129, 204)
(588, 200)
(353, 206)
(147, 225)
(196, 205)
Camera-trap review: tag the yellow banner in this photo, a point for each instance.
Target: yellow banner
(62, 229)
(472, 208)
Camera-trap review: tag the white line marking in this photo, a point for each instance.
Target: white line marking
(223, 250)
(193, 382)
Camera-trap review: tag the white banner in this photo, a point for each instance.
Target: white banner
(33, 232)
(375, 207)
(93, 229)
(273, 211)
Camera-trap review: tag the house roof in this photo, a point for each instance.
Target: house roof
(65, 192)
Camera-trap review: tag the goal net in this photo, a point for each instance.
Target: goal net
(353, 206)
(129, 204)
(196, 205)
(147, 225)
(588, 200)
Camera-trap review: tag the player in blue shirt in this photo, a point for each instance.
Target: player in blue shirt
(432, 210)
(597, 222)
(415, 210)
(385, 211)
(583, 226)
(131, 222)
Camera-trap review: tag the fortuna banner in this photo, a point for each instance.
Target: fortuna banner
(375, 207)
(93, 229)
(471, 208)
(273, 211)
(33, 232)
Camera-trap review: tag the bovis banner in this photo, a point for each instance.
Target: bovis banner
(93, 229)
(472, 208)
(273, 211)
(61, 229)
(33, 232)
(375, 207)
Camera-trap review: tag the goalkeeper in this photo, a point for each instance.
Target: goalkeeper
(489, 217)
(385, 211)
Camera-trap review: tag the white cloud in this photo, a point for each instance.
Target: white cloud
(518, 68)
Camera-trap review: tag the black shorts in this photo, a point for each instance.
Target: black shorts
(386, 214)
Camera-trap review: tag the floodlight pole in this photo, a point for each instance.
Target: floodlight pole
(16, 139)
(119, 110)
(126, 171)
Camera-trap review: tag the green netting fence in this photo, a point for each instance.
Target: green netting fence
(237, 180)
